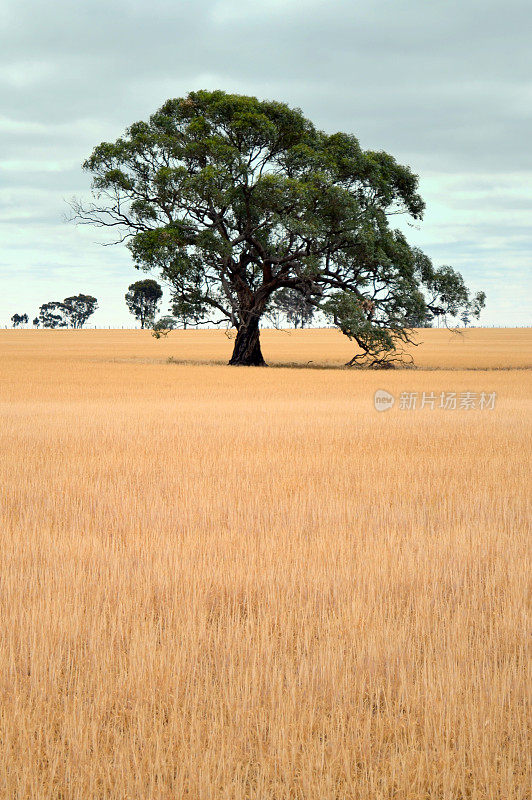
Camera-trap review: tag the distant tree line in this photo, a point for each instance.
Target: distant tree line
(293, 306)
(72, 312)
(143, 299)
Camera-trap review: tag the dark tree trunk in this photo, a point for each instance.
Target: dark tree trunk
(247, 352)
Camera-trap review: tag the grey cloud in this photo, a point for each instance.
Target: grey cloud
(443, 85)
(64, 180)
(440, 75)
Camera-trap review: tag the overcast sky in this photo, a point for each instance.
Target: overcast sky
(443, 85)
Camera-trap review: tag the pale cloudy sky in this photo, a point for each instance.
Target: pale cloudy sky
(443, 85)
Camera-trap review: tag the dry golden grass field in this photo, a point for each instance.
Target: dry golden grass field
(228, 583)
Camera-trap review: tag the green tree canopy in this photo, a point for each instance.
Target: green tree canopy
(163, 326)
(142, 299)
(79, 308)
(232, 199)
(72, 312)
(19, 319)
(51, 315)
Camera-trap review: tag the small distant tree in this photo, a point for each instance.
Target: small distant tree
(142, 299)
(478, 303)
(163, 326)
(78, 309)
(51, 315)
(418, 316)
(188, 305)
(448, 296)
(36, 322)
(189, 314)
(19, 319)
(295, 306)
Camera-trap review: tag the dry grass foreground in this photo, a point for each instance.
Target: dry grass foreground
(248, 584)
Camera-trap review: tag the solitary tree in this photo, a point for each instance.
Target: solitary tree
(36, 322)
(466, 317)
(232, 199)
(78, 309)
(142, 299)
(51, 315)
(19, 319)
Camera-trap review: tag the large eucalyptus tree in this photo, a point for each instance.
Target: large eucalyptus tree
(232, 199)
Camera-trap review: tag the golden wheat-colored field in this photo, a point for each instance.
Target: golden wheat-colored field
(247, 584)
